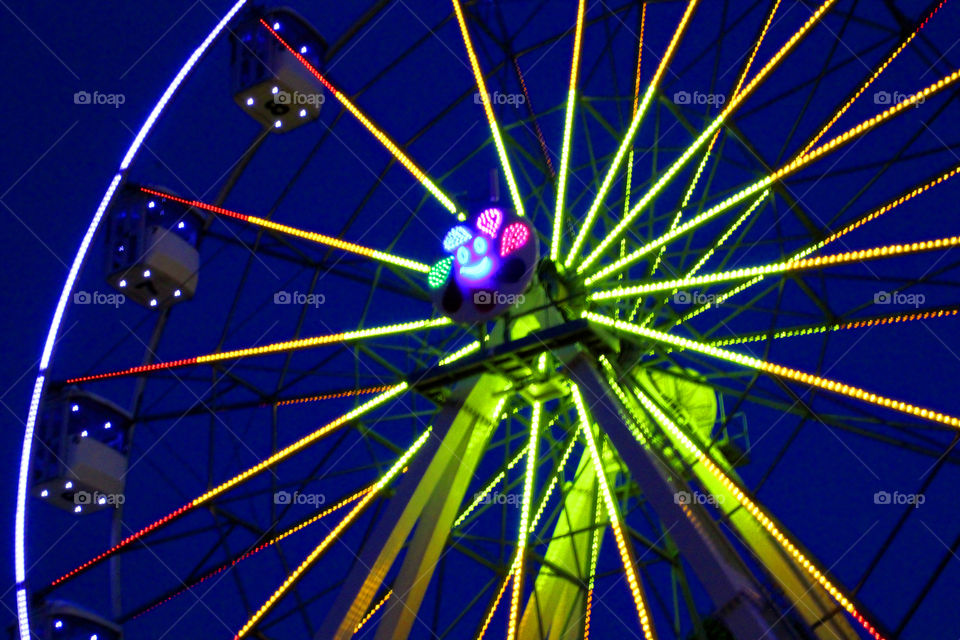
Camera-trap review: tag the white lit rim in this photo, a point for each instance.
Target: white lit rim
(78, 260)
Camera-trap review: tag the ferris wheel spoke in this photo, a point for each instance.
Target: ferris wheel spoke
(668, 175)
(223, 487)
(876, 74)
(382, 137)
(567, 135)
(787, 266)
(779, 174)
(524, 527)
(347, 520)
(229, 564)
(312, 236)
(624, 547)
(488, 110)
(778, 370)
(278, 347)
(728, 486)
(627, 141)
(905, 196)
(706, 154)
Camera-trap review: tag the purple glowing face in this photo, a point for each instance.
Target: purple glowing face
(472, 259)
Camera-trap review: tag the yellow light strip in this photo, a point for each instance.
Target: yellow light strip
(488, 110)
(873, 215)
(460, 353)
(759, 514)
(777, 370)
(836, 259)
(567, 136)
(636, 590)
(869, 81)
(483, 493)
(304, 343)
(524, 531)
(781, 173)
(394, 150)
(668, 175)
(594, 554)
(333, 535)
(627, 141)
(373, 610)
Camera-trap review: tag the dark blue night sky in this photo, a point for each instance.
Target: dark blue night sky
(332, 177)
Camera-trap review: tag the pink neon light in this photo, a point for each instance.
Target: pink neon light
(489, 222)
(514, 237)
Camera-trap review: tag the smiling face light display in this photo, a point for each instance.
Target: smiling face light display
(491, 262)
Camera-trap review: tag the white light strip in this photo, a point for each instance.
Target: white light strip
(78, 261)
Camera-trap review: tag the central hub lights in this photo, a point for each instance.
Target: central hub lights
(491, 263)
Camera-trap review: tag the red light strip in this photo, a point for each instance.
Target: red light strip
(280, 455)
(277, 347)
(331, 396)
(312, 236)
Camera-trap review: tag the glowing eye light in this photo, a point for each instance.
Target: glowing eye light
(456, 237)
(439, 273)
(480, 245)
(151, 204)
(463, 255)
(275, 90)
(489, 220)
(303, 49)
(514, 236)
(249, 102)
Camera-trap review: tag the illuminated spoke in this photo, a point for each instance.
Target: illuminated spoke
(330, 396)
(787, 266)
(706, 154)
(763, 183)
(319, 238)
(273, 459)
(524, 532)
(277, 347)
(800, 559)
(488, 110)
(386, 479)
(777, 370)
(391, 146)
(232, 563)
(636, 590)
(873, 215)
(876, 74)
(594, 554)
(373, 610)
(496, 604)
(627, 141)
(567, 135)
(890, 318)
(669, 174)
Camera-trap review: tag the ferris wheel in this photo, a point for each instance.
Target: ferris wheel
(523, 319)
